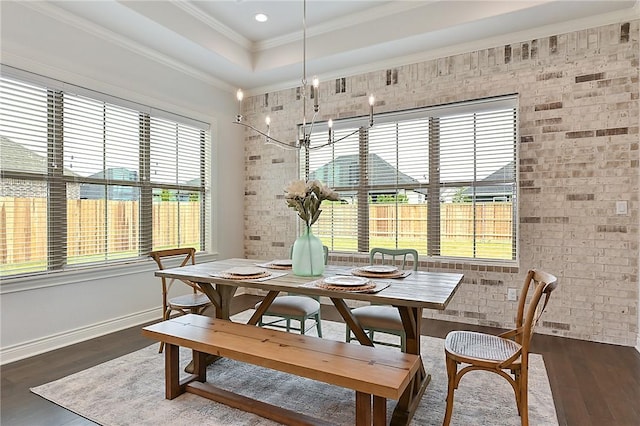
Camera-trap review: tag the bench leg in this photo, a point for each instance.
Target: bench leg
(410, 398)
(171, 371)
(379, 411)
(363, 409)
(200, 365)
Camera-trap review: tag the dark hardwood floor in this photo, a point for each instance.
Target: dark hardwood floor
(592, 383)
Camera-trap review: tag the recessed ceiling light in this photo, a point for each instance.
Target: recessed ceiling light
(261, 17)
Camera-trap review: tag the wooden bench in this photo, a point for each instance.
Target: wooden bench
(374, 374)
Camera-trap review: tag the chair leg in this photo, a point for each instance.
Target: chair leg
(403, 342)
(303, 328)
(516, 378)
(524, 399)
(348, 335)
(452, 369)
(318, 324)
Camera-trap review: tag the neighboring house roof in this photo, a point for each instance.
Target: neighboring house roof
(343, 171)
(16, 157)
(120, 192)
(116, 173)
(114, 192)
(503, 174)
(193, 182)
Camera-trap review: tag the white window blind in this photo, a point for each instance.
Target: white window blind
(101, 161)
(477, 153)
(440, 180)
(86, 181)
(177, 184)
(23, 177)
(338, 166)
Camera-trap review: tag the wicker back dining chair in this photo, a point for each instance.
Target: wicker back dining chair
(294, 307)
(194, 302)
(384, 318)
(506, 354)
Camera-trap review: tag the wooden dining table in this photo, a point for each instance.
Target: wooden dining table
(410, 295)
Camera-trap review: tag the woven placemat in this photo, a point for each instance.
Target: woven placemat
(362, 273)
(371, 287)
(228, 276)
(271, 265)
(368, 286)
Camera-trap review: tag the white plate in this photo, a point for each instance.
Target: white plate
(346, 281)
(282, 262)
(379, 269)
(245, 271)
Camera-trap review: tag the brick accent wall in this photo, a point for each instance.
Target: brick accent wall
(578, 155)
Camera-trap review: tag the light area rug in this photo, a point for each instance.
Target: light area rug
(130, 391)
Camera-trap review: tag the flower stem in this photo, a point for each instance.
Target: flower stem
(309, 248)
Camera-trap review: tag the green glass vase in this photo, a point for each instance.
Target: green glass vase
(307, 257)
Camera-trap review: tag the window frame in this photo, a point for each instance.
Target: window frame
(434, 184)
(56, 181)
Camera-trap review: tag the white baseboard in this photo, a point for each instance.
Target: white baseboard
(638, 342)
(49, 343)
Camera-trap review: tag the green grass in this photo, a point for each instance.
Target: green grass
(457, 248)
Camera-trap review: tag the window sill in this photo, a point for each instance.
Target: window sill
(428, 263)
(88, 273)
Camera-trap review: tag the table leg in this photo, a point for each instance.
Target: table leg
(411, 321)
(212, 294)
(353, 323)
(408, 402)
(266, 302)
(220, 296)
(226, 293)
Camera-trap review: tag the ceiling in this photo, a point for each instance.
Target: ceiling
(221, 42)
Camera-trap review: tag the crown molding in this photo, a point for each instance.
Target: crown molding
(343, 22)
(31, 66)
(65, 17)
(213, 23)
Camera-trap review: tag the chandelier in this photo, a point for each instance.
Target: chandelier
(306, 128)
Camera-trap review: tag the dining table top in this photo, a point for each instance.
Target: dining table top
(421, 289)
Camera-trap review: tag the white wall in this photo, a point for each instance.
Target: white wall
(40, 314)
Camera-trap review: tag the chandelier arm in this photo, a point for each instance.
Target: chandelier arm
(270, 139)
(313, 122)
(350, 134)
(335, 141)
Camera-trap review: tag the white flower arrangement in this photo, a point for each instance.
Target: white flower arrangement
(306, 197)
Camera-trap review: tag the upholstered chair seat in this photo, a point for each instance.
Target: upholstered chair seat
(294, 307)
(384, 318)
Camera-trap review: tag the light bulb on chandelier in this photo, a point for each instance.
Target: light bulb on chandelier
(306, 128)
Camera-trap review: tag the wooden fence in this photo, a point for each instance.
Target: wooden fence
(95, 230)
(92, 229)
(493, 220)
